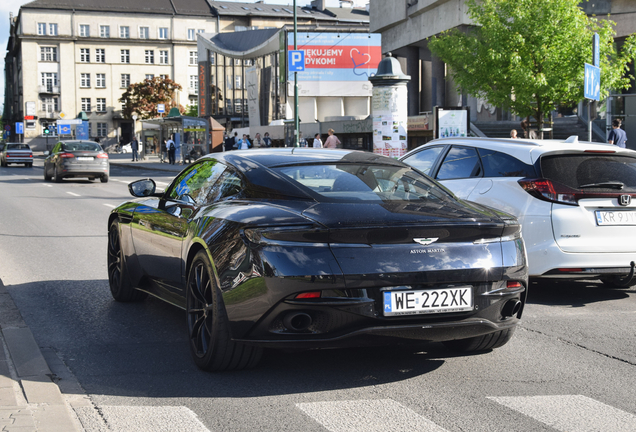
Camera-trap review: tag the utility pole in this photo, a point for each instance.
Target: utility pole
(296, 125)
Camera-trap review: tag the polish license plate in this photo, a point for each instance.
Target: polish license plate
(615, 217)
(439, 300)
(84, 158)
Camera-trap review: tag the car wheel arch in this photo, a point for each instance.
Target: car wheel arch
(196, 246)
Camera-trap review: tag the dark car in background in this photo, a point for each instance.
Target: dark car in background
(16, 153)
(317, 249)
(76, 159)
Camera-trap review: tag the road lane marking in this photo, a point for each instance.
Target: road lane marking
(367, 416)
(47, 185)
(72, 193)
(123, 181)
(162, 183)
(571, 413)
(110, 205)
(140, 419)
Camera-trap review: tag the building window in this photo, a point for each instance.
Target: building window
(194, 82)
(163, 57)
(193, 58)
(162, 76)
(85, 55)
(100, 80)
(144, 33)
(212, 58)
(239, 81)
(104, 31)
(125, 56)
(48, 54)
(228, 106)
(90, 129)
(102, 129)
(86, 105)
(245, 109)
(85, 30)
(42, 29)
(249, 62)
(201, 31)
(100, 55)
(190, 34)
(150, 76)
(49, 79)
(124, 32)
(229, 82)
(53, 29)
(85, 80)
(237, 106)
(240, 28)
(237, 62)
(150, 56)
(50, 104)
(125, 80)
(101, 105)
(163, 32)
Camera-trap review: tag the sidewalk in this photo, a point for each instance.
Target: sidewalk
(29, 400)
(152, 162)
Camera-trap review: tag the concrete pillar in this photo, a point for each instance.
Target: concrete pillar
(426, 102)
(438, 82)
(413, 86)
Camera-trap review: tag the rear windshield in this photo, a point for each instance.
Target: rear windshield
(356, 182)
(591, 171)
(18, 147)
(83, 146)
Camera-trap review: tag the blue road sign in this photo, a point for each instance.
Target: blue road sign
(592, 82)
(63, 129)
(296, 61)
(161, 108)
(19, 128)
(81, 131)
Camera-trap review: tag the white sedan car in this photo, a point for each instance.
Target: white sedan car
(575, 200)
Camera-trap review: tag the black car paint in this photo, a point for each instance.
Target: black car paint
(259, 281)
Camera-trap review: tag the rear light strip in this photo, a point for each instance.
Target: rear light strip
(102, 156)
(67, 155)
(547, 190)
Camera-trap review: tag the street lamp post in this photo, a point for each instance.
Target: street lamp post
(296, 119)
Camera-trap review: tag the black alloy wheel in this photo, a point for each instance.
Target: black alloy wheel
(211, 345)
(120, 285)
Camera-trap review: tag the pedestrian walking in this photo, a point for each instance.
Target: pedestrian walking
(236, 140)
(164, 151)
(134, 146)
(267, 140)
(229, 143)
(332, 141)
(302, 142)
(617, 136)
(171, 151)
(317, 141)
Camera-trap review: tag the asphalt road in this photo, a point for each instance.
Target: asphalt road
(571, 366)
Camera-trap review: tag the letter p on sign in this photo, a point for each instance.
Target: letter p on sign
(296, 61)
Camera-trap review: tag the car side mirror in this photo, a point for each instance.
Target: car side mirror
(143, 188)
(46, 153)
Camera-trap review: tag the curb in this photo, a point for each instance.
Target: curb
(47, 405)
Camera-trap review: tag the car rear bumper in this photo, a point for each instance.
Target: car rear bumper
(552, 262)
(19, 160)
(84, 171)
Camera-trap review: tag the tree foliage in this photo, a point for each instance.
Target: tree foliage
(142, 98)
(529, 55)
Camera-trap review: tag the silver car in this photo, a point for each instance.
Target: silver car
(17, 153)
(76, 159)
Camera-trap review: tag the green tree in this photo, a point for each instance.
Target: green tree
(529, 55)
(142, 98)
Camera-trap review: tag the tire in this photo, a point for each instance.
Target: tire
(209, 338)
(56, 175)
(47, 177)
(3, 163)
(30, 164)
(104, 179)
(485, 342)
(118, 279)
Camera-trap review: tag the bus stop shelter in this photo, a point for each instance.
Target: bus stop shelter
(191, 135)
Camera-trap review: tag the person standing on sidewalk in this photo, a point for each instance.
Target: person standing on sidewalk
(171, 151)
(332, 141)
(134, 146)
(317, 141)
(164, 151)
(617, 135)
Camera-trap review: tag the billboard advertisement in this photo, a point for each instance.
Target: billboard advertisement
(336, 64)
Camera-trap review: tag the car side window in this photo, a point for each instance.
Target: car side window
(229, 185)
(460, 162)
(196, 183)
(497, 164)
(425, 159)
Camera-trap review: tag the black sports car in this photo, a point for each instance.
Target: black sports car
(317, 248)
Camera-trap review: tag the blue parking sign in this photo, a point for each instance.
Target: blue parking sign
(19, 128)
(296, 60)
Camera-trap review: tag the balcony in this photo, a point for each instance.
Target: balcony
(50, 89)
(48, 115)
(193, 91)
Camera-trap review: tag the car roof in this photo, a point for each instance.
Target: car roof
(528, 150)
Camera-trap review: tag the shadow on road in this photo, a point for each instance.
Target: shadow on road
(140, 349)
(577, 293)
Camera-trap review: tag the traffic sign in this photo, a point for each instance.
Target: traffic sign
(29, 117)
(161, 108)
(7, 127)
(592, 82)
(296, 60)
(63, 129)
(19, 128)
(69, 122)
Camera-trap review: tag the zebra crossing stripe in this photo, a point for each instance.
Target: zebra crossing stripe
(571, 413)
(367, 416)
(139, 419)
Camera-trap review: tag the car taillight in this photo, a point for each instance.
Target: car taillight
(308, 295)
(308, 235)
(102, 156)
(550, 191)
(67, 155)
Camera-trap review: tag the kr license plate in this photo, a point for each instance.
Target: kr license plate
(616, 217)
(84, 158)
(440, 300)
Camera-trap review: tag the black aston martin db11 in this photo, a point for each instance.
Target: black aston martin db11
(317, 248)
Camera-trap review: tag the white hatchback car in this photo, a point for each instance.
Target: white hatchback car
(575, 200)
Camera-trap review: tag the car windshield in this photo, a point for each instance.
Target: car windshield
(362, 182)
(82, 146)
(591, 171)
(18, 147)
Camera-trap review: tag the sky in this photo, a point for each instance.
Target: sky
(14, 6)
